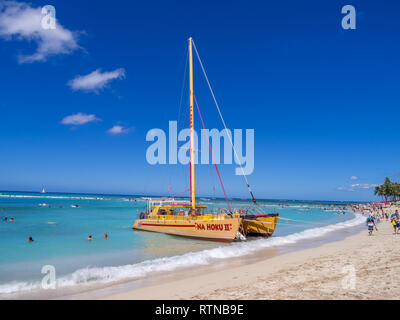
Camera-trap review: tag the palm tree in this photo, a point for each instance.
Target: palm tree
(388, 190)
(396, 191)
(379, 191)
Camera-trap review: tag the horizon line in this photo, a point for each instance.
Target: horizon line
(158, 195)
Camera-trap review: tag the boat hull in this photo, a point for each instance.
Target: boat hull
(222, 230)
(260, 225)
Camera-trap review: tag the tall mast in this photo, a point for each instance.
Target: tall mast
(192, 178)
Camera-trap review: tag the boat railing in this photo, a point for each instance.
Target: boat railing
(151, 202)
(237, 210)
(178, 218)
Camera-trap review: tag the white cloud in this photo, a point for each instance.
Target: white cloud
(117, 129)
(358, 186)
(18, 20)
(95, 80)
(79, 119)
(353, 178)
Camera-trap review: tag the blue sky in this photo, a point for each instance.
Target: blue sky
(323, 101)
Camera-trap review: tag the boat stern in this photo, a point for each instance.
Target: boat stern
(260, 225)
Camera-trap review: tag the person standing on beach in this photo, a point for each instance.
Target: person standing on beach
(371, 225)
(395, 222)
(398, 224)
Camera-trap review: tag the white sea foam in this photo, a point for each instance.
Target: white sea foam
(93, 275)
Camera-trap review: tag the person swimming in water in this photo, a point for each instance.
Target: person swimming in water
(105, 236)
(90, 237)
(30, 239)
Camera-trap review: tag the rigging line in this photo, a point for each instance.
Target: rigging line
(178, 172)
(180, 103)
(183, 84)
(212, 154)
(223, 122)
(178, 194)
(181, 99)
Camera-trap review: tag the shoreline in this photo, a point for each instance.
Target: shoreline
(297, 242)
(356, 267)
(301, 267)
(110, 279)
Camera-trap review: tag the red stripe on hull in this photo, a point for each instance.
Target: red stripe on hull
(168, 225)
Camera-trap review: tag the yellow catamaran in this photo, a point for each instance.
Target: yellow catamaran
(192, 220)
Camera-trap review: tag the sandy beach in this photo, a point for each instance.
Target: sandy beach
(358, 267)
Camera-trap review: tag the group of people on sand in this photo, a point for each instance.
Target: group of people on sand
(376, 212)
(105, 236)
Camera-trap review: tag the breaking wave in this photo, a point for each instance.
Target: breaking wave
(92, 275)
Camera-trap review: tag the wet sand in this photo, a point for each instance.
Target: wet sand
(357, 267)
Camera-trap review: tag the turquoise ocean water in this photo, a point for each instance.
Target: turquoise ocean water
(61, 223)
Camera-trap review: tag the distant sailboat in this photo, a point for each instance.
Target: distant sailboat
(43, 191)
